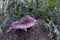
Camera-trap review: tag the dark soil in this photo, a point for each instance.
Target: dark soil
(35, 33)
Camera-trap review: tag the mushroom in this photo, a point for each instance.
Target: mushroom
(24, 23)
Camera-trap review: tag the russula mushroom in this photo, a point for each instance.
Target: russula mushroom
(24, 23)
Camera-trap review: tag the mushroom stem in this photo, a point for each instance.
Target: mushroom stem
(25, 30)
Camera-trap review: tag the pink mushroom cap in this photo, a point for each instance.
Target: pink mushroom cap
(24, 23)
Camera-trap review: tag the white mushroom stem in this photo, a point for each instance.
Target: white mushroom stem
(25, 30)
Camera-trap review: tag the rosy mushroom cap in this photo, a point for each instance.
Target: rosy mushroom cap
(24, 23)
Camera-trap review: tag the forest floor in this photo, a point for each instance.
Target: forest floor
(39, 32)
